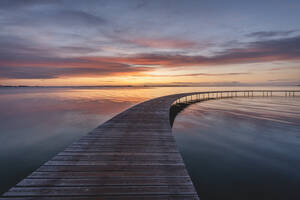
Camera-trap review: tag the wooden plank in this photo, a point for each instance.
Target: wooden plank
(101, 190)
(106, 181)
(97, 157)
(120, 142)
(63, 153)
(100, 174)
(114, 162)
(127, 197)
(99, 168)
(156, 144)
(152, 150)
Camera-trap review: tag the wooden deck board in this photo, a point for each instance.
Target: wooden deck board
(106, 181)
(123, 197)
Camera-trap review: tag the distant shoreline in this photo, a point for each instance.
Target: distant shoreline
(142, 86)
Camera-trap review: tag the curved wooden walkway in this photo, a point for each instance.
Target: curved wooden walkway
(131, 156)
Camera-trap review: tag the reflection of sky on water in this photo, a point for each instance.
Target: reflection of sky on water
(243, 148)
(38, 123)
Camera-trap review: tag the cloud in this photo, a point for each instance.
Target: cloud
(269, 34)
(284, 68)
(19, 51)
(47, 18)
(25, 3)
(280, 80)
(210, 84)
(215, 74)
(254, 52)
(76, 50)
(17, 72)
(163, 43)
(30, 58)
(75, 17)
(141, 4)
(28, 61)
(201, 74)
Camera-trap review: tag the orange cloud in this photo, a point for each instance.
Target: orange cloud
(164, 43)
(52, 67)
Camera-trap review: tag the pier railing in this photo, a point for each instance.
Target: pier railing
(201, 96)
(187, 99)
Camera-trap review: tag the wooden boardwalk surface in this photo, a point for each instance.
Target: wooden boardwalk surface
(132, 156)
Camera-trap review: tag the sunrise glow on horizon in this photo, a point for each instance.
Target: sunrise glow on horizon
(67, 43)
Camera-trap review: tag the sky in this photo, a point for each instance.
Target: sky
(158, 42)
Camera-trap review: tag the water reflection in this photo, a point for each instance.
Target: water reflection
(244, 148)
(37, 123)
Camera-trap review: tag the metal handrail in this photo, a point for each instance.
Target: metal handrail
(207, 95)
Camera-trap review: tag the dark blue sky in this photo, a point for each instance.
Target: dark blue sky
(119, 42)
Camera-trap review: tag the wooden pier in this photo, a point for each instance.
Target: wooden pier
(131, 156)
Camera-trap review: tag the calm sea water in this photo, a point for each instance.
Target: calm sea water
(242, 148)
(37, 123)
